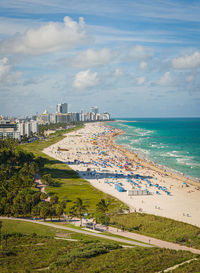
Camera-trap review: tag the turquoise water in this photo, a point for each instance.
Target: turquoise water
(171, 142)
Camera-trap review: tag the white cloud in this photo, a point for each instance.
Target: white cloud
(143, 65)
(140, 80)
(85, 79)
(187, 61)
(139, 52)
(165, 79)
(90, 58)
(8, 76)
(5, 67)
(118, 72)
(50, 37)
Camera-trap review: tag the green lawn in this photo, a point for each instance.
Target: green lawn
(29, 252)
(69, 184)
(15, 226)
(159, 227)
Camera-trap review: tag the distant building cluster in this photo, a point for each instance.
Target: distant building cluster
(28, 127)
(63, 116)
(18, 128)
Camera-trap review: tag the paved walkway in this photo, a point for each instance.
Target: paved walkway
(123, 241)
(152, 241)
(146, 241)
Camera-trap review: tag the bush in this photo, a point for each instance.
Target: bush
(89, 250)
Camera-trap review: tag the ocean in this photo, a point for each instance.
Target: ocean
(170, 142)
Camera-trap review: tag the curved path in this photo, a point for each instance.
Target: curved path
(146, 241)
(124, 241)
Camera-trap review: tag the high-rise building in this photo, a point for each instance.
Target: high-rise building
(44, 118)
(34, 127)
(62, 108)
(28, 129)
(58, 108)
(21, 128)
(95, 110)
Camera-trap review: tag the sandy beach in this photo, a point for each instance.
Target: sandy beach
(144, 187)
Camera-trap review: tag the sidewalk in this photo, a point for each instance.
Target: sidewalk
(152, 241)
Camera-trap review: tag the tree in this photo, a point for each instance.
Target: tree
(44, 210)
(78, 209)
(33, 168)
(52, 210)
(54, 199)
(35, 211)
(0, 231)
(43, 196)
(59, 210)
(102, 209)
(20, 206)
(47, 179)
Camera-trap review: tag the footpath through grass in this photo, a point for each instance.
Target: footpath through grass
(28, 228)
(69, 185)
(26, 252)
(159, 227)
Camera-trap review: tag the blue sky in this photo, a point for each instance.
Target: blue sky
(131, 58)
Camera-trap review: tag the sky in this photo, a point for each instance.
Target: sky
(130, 58)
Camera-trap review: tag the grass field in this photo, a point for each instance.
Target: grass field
(15, 226)
(27, 252)
(193, 266)
(159, 227)
(69, 184)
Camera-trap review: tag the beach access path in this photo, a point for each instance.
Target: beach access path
(144, 241)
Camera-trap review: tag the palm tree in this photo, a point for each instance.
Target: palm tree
(103, 206)
(78, 209)
(102, 209)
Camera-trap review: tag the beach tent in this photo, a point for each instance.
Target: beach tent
(119, 188)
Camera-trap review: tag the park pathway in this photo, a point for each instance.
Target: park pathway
(123, 241)
(144, 241)
(152, 241)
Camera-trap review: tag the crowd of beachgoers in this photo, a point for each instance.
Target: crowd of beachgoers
(91, 152)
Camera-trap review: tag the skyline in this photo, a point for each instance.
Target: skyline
(135, 59)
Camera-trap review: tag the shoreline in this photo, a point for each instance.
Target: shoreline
(92, 153)
(151, 164)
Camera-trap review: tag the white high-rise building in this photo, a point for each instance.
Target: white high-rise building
(34, 127)
(58, 108)
(21, 128)
(28, 129)
(62, 108)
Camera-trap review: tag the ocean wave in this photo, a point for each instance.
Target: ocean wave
(172, 154)
(136, 140)
(142, 151)
(159, 146)
(188, 161)
(142, 132)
